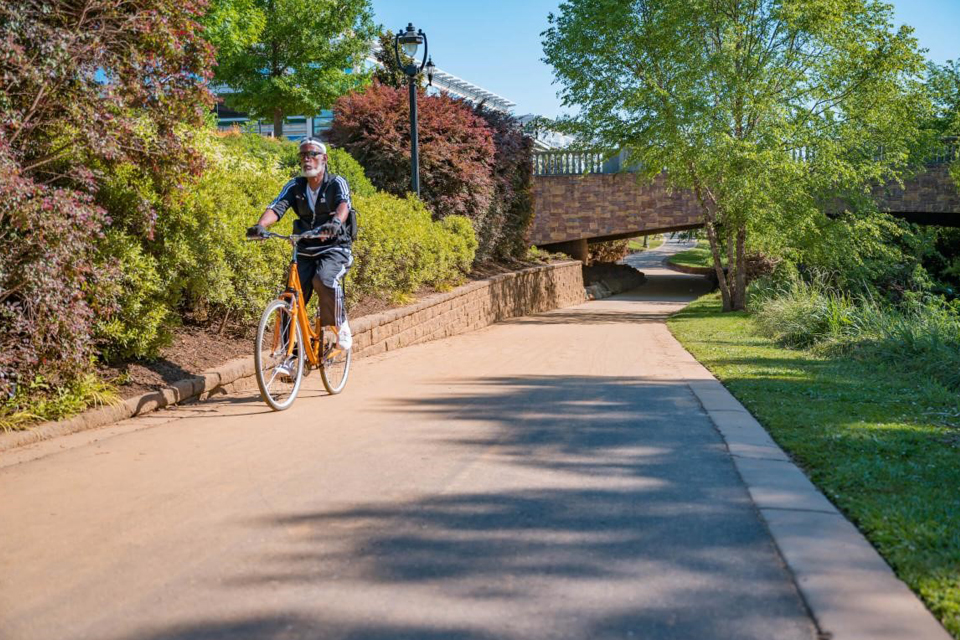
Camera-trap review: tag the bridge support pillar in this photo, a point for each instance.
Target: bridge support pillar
(576, 249)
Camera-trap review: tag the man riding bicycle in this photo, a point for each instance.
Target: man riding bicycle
(321, 201)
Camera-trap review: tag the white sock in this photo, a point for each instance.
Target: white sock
(345, 338)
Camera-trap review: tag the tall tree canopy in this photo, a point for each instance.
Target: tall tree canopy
(944, 82)
(765, 108)
(285, 57)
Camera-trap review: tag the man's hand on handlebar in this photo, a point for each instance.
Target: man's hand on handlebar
(257, 232)
(330, 229)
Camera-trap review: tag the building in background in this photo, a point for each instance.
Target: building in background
(296, 127)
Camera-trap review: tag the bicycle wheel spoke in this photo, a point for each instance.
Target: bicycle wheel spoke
(335, 366)
(278, 374)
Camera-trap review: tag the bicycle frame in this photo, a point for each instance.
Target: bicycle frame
(293, 295)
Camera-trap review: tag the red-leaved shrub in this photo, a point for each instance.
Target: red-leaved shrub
(84, 87)
(511, 209)
(456, 148)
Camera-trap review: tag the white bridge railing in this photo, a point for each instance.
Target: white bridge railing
(575, 163)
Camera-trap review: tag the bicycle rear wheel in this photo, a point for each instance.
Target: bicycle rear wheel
(334, 363)
(279, 385)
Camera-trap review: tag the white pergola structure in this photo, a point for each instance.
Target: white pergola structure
(460, 88)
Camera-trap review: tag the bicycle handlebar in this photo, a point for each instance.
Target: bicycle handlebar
(293, 237)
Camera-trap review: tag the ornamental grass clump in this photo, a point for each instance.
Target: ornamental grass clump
(803, 314)
(920, 335)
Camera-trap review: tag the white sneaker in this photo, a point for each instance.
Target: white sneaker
(287, 367)
(344, 337)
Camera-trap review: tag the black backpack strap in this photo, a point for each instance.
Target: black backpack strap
(353, 224)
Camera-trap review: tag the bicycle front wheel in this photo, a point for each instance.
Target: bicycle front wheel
(334, 364)
(278, 375)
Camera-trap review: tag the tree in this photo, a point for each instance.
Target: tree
(456, 148)
(944, 83)
(285, 57)
(765, 109)
(389, 73)
(86, 86)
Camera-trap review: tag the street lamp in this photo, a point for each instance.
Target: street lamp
(411, 40)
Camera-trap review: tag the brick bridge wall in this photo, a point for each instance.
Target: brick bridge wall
(931, 192)
(606, 206)
(610, 206)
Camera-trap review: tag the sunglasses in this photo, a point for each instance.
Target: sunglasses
(310, 154)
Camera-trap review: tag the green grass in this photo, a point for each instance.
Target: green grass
(636, 244)
(699, 256)
(883, 445)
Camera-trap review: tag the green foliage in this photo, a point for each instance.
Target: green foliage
(868, 253)
(880, 442)
(802, 314)
(286, 57)
(342, 163)
(944, 84)
(86, 88)
(40, 400)
(919, 336)
(389, 73)
(401, 248)
(274, 151)
(194, 263)
(144, 315)
(766, 110)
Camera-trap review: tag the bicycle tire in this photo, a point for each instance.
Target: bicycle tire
(334, 364)
(269, 351)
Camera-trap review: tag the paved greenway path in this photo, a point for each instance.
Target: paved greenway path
(547, 477)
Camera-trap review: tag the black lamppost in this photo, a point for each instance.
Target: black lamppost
(410, 40)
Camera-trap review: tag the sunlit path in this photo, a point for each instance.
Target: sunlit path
(547, 477)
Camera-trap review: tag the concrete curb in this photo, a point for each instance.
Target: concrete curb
(682, 268)
(849, 589)
(211, 382)
(372, 335)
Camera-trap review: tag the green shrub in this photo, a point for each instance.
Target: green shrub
(400, 248)
(342, 163)
(276, 151)
(194, 262)
(40, 400)
(141, 323)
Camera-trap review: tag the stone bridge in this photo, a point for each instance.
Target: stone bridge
(584, 197)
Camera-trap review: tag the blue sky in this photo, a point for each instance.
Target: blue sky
(496, 43)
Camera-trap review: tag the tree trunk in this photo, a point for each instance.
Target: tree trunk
(732, 266)
(718, 265)
(741, 282)
(278, 123)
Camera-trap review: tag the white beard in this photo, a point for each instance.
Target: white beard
(310, 173)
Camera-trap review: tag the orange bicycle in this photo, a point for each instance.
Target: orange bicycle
(286, 343)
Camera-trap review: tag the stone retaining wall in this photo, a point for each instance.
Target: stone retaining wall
(470, 307)
(464, 309)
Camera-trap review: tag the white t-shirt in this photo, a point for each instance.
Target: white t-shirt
(312, 196)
